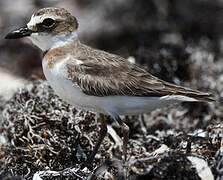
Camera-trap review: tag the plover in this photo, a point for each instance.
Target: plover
(96, 80)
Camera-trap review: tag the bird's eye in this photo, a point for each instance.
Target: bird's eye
(48, 23)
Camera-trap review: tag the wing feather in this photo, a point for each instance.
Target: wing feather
(105, 74)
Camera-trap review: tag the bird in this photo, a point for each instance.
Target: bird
(96, 80)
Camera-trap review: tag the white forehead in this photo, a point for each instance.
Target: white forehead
(39, 19)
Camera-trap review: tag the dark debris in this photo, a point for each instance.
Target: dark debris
(49, 137)
(44, 133)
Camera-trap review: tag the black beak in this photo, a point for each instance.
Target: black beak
(19, 33)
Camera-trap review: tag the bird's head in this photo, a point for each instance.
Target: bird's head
(48, 28)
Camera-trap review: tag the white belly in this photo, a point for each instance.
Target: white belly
(120, 105)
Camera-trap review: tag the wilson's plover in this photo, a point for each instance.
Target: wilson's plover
(96, 80)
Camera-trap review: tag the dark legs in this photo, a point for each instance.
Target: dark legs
(125, 130)
(102, 134)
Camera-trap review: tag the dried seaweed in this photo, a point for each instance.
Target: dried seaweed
(51, 139)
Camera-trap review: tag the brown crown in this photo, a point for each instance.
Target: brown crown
(66, 21)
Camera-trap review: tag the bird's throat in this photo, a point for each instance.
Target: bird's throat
(47, 41)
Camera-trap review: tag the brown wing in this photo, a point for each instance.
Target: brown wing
(104, 74)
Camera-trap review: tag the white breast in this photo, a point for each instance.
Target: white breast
(66, 89)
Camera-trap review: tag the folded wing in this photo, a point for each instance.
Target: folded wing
(106, 74)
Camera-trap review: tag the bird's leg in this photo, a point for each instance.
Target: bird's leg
(102, 134)
(125, 130)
